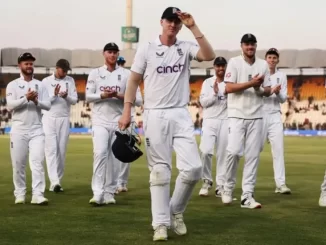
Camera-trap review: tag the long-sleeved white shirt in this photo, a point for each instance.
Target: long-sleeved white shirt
(60, 107)
(106, 111)
(26, 116)
(272, 103)
(214, 105)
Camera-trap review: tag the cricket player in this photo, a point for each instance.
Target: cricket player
(165, 65)
(121, 61)
(322, 199)
(26, 97)
(213, 99)
(125, 167)
(56, 121)
(273, 126)
(105, 88)
(247, 81)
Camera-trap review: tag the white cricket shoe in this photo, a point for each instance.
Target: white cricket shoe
(322, 199)
(160, 233)
(178, 225)
(20, 200)
(283, 189)
(39, 200)
(123, 188)
(207, 185)
(227, 197)
(109, 199)
(248, 201)
(96, 201)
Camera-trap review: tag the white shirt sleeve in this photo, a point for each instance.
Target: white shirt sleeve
(72, 93)
(207, 95)
(267, 80)
(140, 61)
(282, 96)
(14, 103)
(91, 95)
(193, 50)
(44, 101)
(231, 73)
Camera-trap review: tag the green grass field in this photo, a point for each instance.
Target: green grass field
(69, 219)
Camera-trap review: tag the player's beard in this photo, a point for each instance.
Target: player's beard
(28, 71)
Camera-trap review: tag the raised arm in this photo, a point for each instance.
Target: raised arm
(14, 103)
(72, 93)
(207, 95)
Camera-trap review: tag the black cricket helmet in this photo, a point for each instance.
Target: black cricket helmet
(125, 147)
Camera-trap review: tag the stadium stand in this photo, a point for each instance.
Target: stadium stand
(306, 70)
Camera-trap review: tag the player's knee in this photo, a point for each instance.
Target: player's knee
(192, 175)
(101, 153)
(160, 175)
(235, 151)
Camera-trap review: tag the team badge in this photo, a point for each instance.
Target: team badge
(228, 75)
(36, 87)
(179, 50)
(67, 86)
(119, 77)
(278, 80)
(249, 77)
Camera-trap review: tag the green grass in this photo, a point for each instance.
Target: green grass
(69, 219)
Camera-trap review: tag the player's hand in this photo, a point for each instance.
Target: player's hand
(57, 90)
(108, 94)
(124, 121)
(276, 89)
(186, 19)
(257, 81)
(31, 95)
(63, 94)
(215, 87)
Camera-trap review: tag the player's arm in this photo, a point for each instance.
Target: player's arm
(12, 102)
(207, 95)
(283, 93)
(90, 92)
(205, 52)
(265, 89)
(43, 100)
(72, 93)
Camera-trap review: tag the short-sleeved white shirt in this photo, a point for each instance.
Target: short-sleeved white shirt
(166, 72)
(246, 104)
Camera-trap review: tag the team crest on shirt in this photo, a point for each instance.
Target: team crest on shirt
(119, 77)
(159, 55)
(179, 50)
(278, 80)
(249, 77)
(228, 75)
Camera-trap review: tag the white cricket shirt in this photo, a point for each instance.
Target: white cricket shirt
(246, 104)
(272, 103)
(26, 116)
(60, 107)
(166, 72)
(106, 111)
(214, 105)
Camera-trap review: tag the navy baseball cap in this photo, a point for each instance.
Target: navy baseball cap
(248, 38)
(170, 13)
(220, 61)
(111, 47)
(63, 64)
(26, 57)
(273, 51)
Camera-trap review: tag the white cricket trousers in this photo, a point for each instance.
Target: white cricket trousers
(323, 185)
(105, 166)
(245, 138)
(124, 174)
(273, 131)
(165, 130)
(214, 133)
(24, 147)
(56, 139)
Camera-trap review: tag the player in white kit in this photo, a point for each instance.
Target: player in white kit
(165, 66)
(56, 121)
(322, 199)
(26, 97)
(273, 126)
(105, 88)
(125, 167)
(247, 81)
(213, 99)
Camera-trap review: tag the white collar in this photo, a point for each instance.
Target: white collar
(159, 43)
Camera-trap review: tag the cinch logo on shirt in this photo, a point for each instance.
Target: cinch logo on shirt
(169, 69)
(110, 88)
